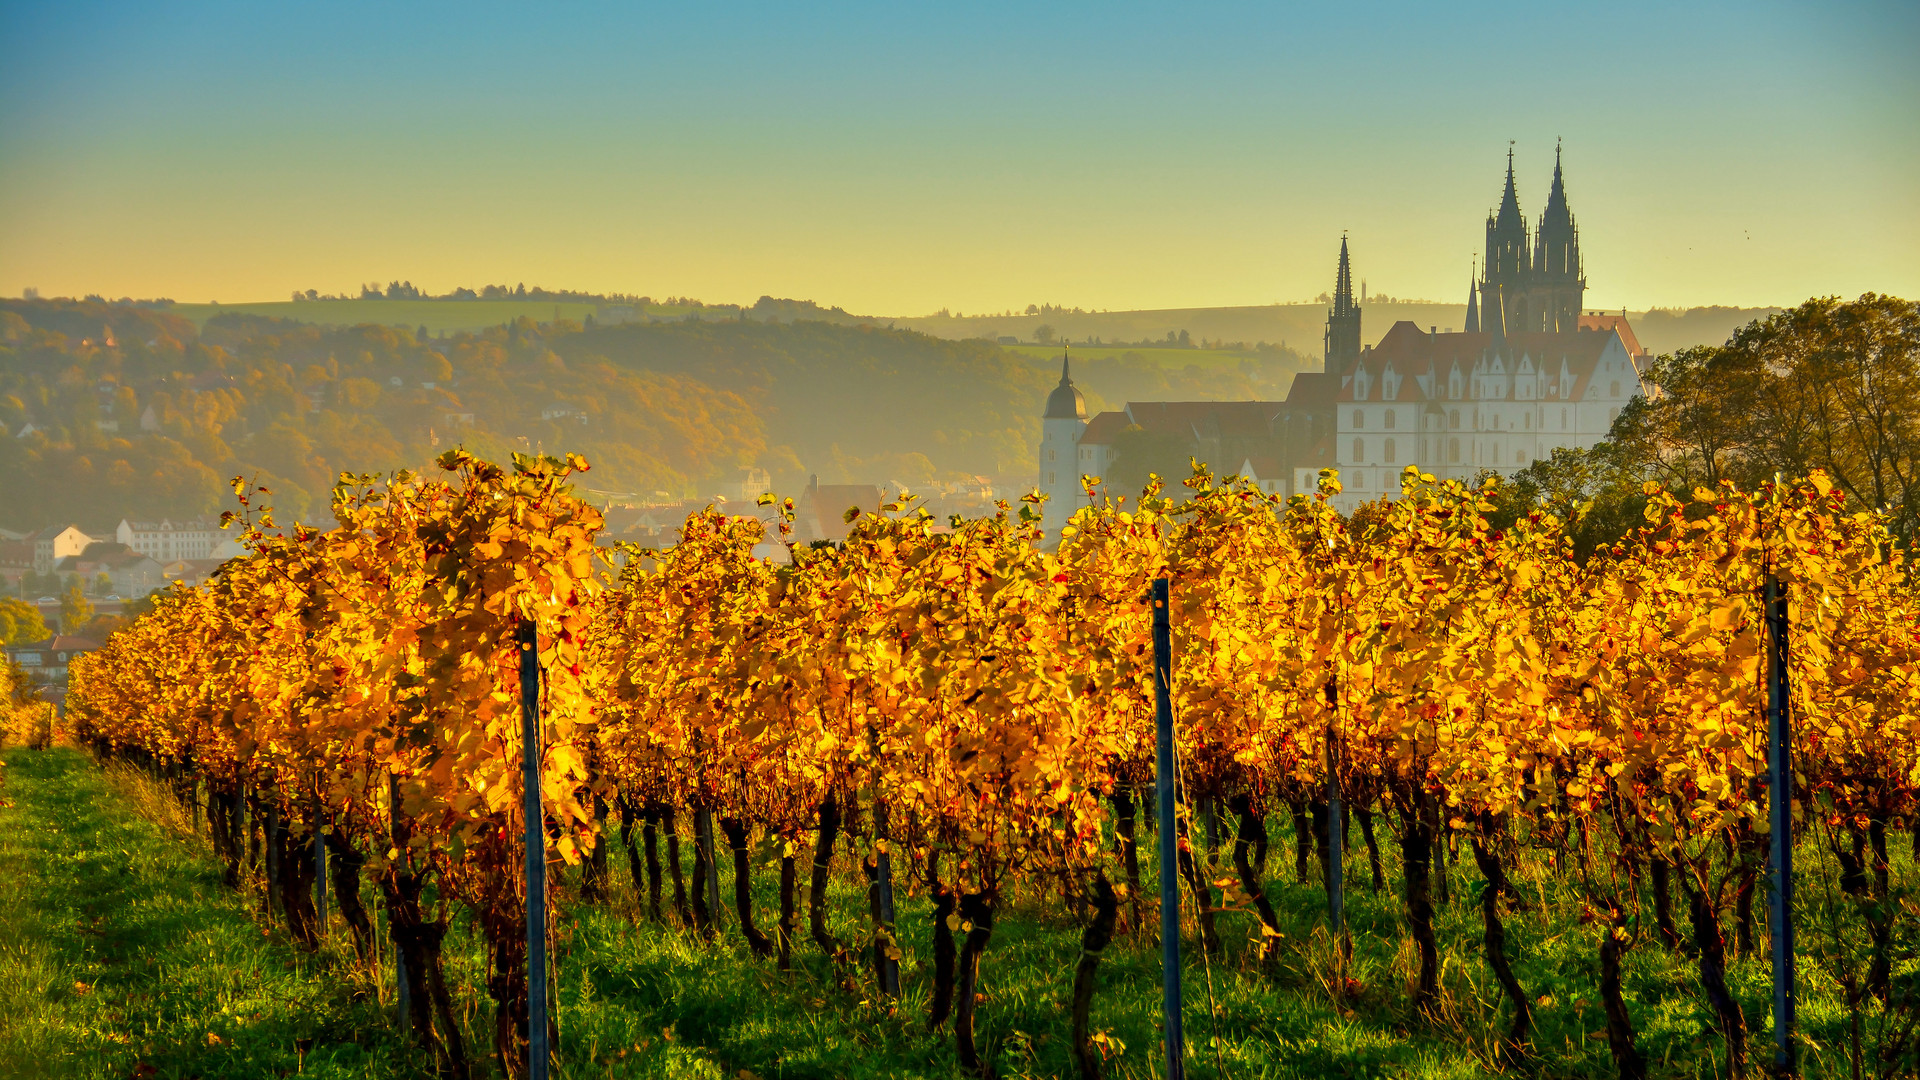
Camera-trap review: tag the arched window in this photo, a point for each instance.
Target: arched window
(1529, 421)
(1391, 454)
(1563, 419)
(1519, 457)
(1614, 389)
(1359, 420)
(1389, 419)
(1453, 450)
(1453, 421)
(1359, 451)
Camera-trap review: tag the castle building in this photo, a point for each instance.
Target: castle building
(1531, 372)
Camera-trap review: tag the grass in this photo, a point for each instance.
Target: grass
(119, 950)
(121, 954)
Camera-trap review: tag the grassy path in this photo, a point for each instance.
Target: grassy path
(122, 956)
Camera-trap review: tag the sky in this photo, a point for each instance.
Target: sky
(900, 158)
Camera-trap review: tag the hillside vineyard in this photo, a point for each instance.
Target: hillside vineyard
(981, 711)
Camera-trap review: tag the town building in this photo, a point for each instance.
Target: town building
(166, 540)
(821, 512)
(45, 661)
(56, 542)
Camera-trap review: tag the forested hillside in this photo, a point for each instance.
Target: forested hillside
(116, 410)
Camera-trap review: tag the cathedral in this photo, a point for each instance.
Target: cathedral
(1530, 371)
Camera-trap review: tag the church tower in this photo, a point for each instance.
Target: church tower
(1343, 319)
(1060, 429)
(1559, 284)
(1508, 276)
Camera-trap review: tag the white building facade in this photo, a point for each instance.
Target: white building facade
(165, 541)
(1456, 405)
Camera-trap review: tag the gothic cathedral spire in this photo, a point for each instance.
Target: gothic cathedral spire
(1508, 264)
(1559, 287)
(1343, 319)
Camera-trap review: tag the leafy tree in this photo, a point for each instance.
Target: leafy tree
(75, 610)
(20, 622)
(1831, 385)
(1044, 334)
(1596, 491)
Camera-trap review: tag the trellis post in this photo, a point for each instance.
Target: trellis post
(1336, 828)
(319, 870)
(1169, 853)
(1780, 818)
(536, 851)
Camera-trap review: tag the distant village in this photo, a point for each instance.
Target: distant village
(113, 569)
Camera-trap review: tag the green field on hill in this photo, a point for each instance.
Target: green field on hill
(435, 315)
(1164, 357)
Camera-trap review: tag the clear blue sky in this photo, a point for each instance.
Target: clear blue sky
(900, 158)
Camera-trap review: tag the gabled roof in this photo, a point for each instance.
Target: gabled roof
(1207, 419)
(58, 642)
(1413, 352)
(1618, 324)
(1313, 389)
(1101, 430)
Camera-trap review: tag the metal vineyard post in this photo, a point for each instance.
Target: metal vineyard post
(536, 852)
(1780, 817)
(1169, 870)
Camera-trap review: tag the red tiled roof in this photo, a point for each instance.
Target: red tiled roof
(1313, 388)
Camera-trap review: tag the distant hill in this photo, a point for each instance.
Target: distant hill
(1296, 326)
(444, 315)
(110, 410)
(1300, 326)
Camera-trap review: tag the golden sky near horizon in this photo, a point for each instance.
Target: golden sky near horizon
(897, 162)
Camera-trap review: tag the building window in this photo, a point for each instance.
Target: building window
(1453, 451)
(1519, 457)
(1391, 453)
(1453, 420)
(1614, 389)
(1612, 415)
(1389, 419)
(1359, 479)
(1359, 420)
(1049, 479)
(1049, 455)
(1529, 421)
(1359, 451)
(1563, 419)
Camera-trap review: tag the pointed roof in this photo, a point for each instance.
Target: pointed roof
(1343, 282)
(1557, 218)
(1473, 307)
(1508, 216)
(1066, 402)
